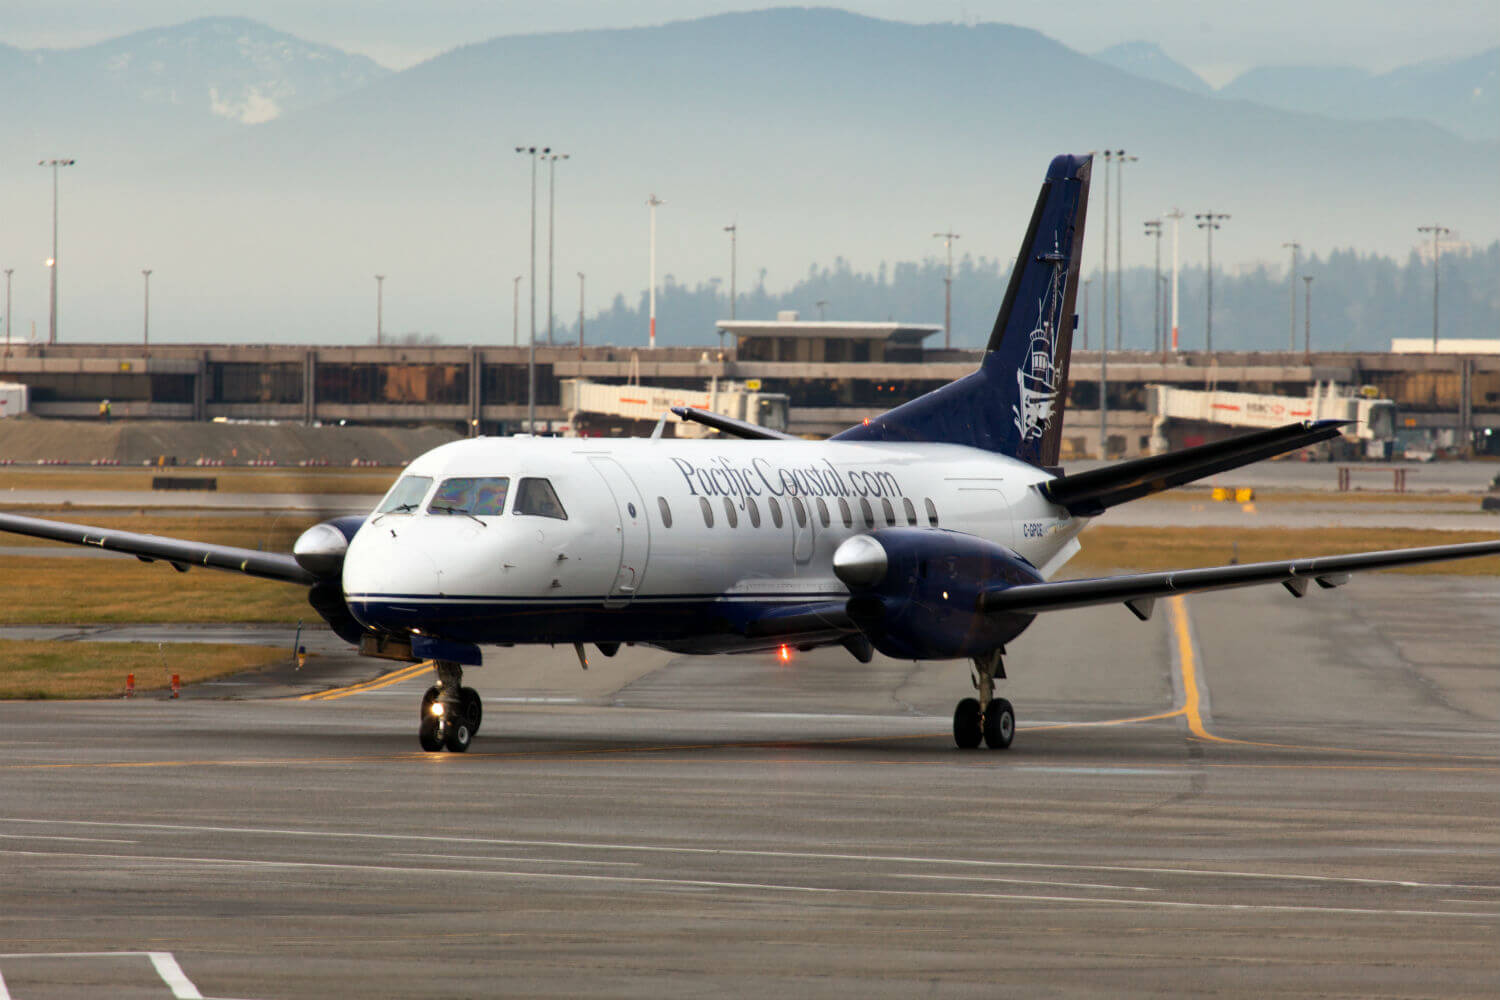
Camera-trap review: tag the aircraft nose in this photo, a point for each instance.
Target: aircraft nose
(380, 570)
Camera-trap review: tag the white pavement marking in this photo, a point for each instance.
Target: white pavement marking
(744, 852)
(81, 840)
(171, 973)
(538, 861)
(767, 886)
(162, 961)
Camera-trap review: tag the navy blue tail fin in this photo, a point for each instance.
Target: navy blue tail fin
(1014, 403)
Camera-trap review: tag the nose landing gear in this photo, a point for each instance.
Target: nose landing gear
(450, 712)
(986, 718)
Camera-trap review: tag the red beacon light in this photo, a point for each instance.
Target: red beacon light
(786, 654)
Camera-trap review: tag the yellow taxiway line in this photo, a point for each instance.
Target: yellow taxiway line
(375, 684)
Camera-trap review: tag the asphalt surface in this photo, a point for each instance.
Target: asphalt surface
(1247, 795)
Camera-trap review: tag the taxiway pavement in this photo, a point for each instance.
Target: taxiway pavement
(1247, 795)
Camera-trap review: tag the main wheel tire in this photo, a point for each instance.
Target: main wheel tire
(428, 735)
(460, 735)
(966, 724)
(999, 725)
(473, 708)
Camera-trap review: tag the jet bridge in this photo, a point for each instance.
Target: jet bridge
(1176, 412)
(596, 408)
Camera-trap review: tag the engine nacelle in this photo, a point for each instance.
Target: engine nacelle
(320, 549)
(914, 591)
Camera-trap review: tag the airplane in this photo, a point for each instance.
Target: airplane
(931, 531)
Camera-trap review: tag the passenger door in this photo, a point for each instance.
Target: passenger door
(634, 531)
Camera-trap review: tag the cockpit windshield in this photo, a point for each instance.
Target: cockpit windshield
(405, 496)
(472, 497)
(537, 497)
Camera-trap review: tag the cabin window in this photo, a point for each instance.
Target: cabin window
(775, 511)
(753, 511)
(471, 497)
(729, 514)
(866, 512)
(405, 496)
(932, 518)
(537, 498)
(846, 513)
(822, 511)
(708, 512)
(801, 510)
(666, 512)
(888, 511)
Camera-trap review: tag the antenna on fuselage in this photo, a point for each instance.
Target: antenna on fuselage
(661, 426)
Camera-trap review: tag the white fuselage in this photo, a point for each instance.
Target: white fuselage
(662, 534)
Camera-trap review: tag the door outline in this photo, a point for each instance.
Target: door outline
(633, 528)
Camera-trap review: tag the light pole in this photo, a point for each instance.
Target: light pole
(580, 310)
(1291, 282)
(146, 319)
(532, 151)
(379, 309)
(1153, 228)
(55, 164)
(1176, 216)
(947, 239)
(733, 229)
(1104, 286)
(1086, 283)
(651, 203)
(1307, 315)
(1208, 222)
(1120, 160)
(821, 304)
(1436, 231)
(8, 272)
(1161, 300)
(515, 313)
(551, 202)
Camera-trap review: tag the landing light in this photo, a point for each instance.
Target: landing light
(437, 709)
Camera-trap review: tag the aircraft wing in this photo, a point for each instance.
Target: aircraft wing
(1139, 591)
(179, 553)
(731, 426)
(1086, 494)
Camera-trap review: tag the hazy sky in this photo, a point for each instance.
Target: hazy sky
(1217, 40)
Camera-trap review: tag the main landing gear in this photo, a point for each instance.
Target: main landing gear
(450, 712)
(986, 718)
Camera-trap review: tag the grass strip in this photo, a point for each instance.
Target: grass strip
(1145, 550)
(37, 670)
(44, 591)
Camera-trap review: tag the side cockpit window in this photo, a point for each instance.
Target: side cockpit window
(405, 496)
(471, 497)
(537, 498)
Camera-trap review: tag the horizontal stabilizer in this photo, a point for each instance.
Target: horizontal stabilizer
(181, 554)
(731, 426)
(1137, 589)
(1086, 494)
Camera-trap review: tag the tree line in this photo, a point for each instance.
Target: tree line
(1359, 302)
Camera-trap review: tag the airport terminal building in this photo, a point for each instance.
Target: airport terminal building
(833, 375)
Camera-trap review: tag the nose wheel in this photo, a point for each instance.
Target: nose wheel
(985, 719)
(450, 712)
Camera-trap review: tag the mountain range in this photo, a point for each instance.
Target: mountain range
(266, 180)
(1459, 95)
